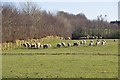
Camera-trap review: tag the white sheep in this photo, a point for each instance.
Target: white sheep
(27, 45)
(46, 46)
(59, 45)
(98, 42)
(38, 45)
(91, 44)
(76, 43)
(41, 46)
(33, 46)
(63, 44)
(84, 41)
(69, 44)
(103, 42)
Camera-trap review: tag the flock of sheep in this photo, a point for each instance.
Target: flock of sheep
(62, 44)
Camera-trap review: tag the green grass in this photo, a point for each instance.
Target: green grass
(73, 62)
(51, 66)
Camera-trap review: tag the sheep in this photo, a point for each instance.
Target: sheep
(63, 44)
(103, 42)
(91, 44)
(27, 45)
(84, 41)
(98, 42)
(33, 46)
(76, 44)
(46, 46)
(38, 45)
(69, 44)
(41, 46)
(59, 45)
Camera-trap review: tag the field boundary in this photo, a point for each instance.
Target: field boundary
(8, 53)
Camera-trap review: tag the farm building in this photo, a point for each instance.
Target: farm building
(115, 22)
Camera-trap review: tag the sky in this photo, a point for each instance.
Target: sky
(119, 11)
(91, 8)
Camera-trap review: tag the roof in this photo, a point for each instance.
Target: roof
(115, 22)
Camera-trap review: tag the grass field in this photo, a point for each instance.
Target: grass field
(70, 62)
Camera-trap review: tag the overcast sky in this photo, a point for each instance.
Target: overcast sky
(91, 8)
(119, 11)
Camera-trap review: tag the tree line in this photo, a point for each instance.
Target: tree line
(30, 22)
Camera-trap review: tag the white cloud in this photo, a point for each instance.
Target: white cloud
(119, 11)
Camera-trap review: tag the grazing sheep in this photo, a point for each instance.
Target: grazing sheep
(38, 45)
(27, 45)
(76, 44)
(81, 42)
(41, 46)
(98, 42)
(46, 46)
(84, 41)
(33, 46)
(91, 44)
(69, 44)
(63, 44)
(59, 45)
(103, 42)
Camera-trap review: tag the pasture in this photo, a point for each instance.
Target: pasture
(66, 62)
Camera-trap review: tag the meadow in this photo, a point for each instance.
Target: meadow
(66, 62)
